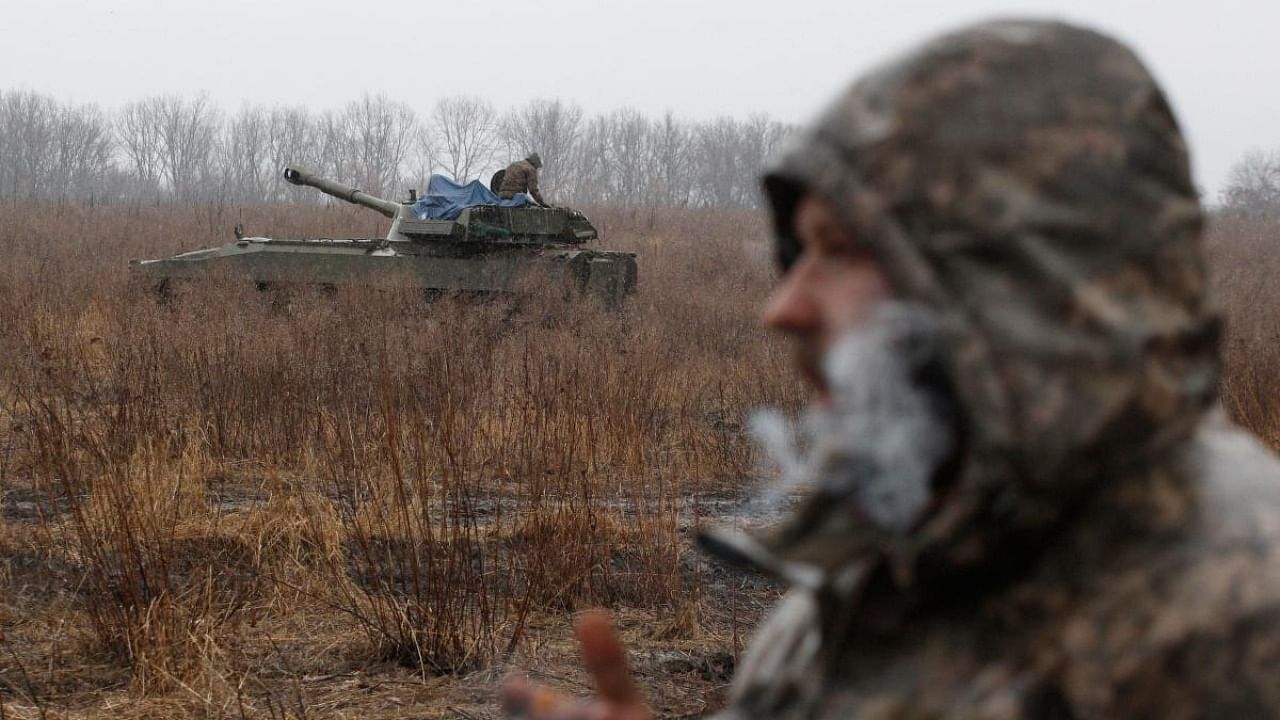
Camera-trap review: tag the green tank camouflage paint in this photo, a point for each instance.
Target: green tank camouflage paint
(485, 250)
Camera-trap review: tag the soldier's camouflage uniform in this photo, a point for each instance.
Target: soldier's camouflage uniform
(521, 177)
(1107, 546)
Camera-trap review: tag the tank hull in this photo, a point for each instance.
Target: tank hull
(454, 242)
(607, 275)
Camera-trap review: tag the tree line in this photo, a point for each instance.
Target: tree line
(186, 150)
(1253, 185)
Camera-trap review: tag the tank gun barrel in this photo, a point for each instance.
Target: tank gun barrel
(342, 192)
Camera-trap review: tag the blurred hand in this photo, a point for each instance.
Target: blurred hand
(617, 697)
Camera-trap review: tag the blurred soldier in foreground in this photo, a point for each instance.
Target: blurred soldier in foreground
(521, 176)
(1022, 503)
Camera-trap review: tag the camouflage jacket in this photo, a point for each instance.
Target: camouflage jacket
(1162, 600)
(521, 177)
(1104, 546)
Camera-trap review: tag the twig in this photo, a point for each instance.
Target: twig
(26, 679)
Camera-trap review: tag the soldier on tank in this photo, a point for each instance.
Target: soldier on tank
(1066, 527)
(521, 176)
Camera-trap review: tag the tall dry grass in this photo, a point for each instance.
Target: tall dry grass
(208, 497)
(1243, 253)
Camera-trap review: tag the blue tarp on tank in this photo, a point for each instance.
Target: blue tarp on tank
(446, 199)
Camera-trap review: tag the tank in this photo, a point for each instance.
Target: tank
(483, 249)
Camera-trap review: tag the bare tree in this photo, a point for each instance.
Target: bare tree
(189, 133)
(715, 154)
(615, 164)
(138, 134)
(294, 138)
(30, 122)
(171, 142)
(50, 150)
(84, 153)
(672, 166)
(333, 149)
(380, 136)
(422, 160)
(630, 173)
(247, 160)
(1253, 184)
(465, 129)
(758, 139)
(552, 129)
(590, 183)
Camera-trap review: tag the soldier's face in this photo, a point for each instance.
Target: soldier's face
(831, 289)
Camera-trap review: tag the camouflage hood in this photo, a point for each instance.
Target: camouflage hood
(1028, 183)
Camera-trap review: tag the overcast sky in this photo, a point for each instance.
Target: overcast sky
(1218, 60)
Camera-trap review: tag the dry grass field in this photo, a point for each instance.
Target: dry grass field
(245, 504)
(1245, 256)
